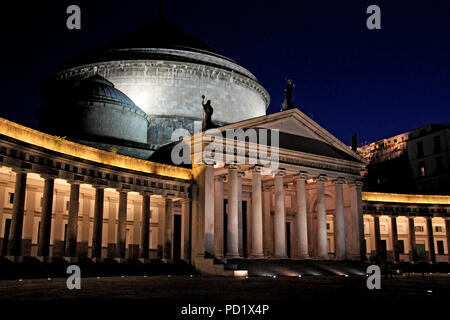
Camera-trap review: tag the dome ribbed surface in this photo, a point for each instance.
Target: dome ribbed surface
(98, 89)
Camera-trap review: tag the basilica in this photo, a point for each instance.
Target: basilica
(97, 180)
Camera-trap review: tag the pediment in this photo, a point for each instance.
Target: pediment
(295, 123)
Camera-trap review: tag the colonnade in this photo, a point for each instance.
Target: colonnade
(261, 236)
(412, 238)
(15, 235)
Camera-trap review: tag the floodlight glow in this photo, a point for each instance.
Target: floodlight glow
(240, 273)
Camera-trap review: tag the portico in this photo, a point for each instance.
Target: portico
(250, 209)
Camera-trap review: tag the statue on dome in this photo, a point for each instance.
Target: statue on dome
(287, 103)
(207, 115)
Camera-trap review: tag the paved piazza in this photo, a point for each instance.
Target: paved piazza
(198, 289)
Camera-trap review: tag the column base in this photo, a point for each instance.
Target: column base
(257, 257)
(74, 260)
(120, 260)
(301, 258)
(46, 259)
(234, 256)
(15, 259)
(145, 260)
(280, 257)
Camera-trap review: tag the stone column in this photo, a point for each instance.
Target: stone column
(168, 229)
(218, 217)
(58, 227)
(46, 217)
(394, 233)
(72, 222)
(122, 225)
(268, 227)
(322, 237)
(209, 210)
(257, 215)
(431, 239)
(240, 221)
(98, 222)
(412, 239)
(355, 237)
(376, 227)
(15, 236)
(28, 223)
(233, 228)
(145, 226)
(447, 232)
(280, 218)
(112, 229)
(301, 217)
(339, 222)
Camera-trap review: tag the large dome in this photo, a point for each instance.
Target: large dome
(165, 72)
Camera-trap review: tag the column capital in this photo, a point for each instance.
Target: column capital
(256, 169)
(241, 173)
(232, 166)
(146, 193)
(356, 183)
(98, 186)
(46, 176)
(280, 172)
(70, 181)
(301, 175)
(321, 178)
(19, 170)
(338, 181)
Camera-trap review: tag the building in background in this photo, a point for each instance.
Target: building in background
(417, 161)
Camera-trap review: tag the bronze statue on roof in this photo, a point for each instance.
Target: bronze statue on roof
(287, 103)
(207, 115)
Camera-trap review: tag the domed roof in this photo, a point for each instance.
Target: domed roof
(97, 89)
(157, 33)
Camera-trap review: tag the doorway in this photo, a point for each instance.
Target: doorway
(225, 226)
(244, 229)
(288, 239)
(176, 237)
(6, 237)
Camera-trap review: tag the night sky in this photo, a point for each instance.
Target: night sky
(349, 79)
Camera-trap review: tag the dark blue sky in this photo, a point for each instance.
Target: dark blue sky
(377, 83)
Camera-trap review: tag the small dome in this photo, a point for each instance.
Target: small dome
(97, 89)
(96, 114)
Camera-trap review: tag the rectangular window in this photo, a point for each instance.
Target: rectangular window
(418, 229)
(67, 205)
(440, 247)
(11, 197)
(328, 226)
(438, 229)
(419, 149)
(437, 144)
(401, 246)
(421, 169)
(439, 165)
